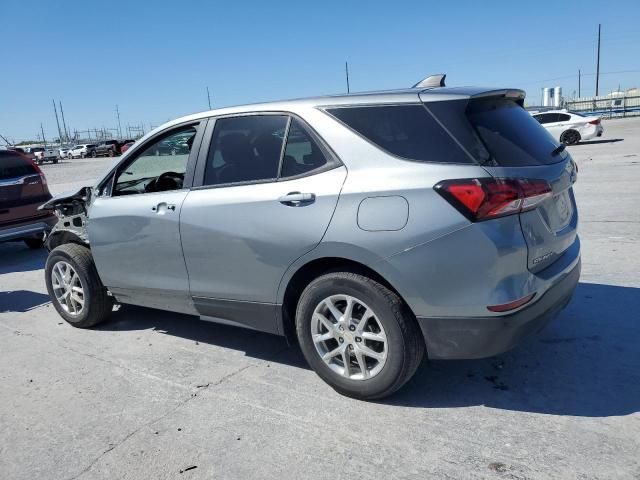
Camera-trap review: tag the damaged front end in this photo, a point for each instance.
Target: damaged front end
(71, 210)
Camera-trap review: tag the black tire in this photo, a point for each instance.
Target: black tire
(111, 153)
(34, 243)
(570, 137)
(405, 341)
(97, 303)
(83, 155)
(94, 154)
(55, 161)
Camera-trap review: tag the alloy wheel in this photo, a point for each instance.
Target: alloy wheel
(349, 337)
(67, 288)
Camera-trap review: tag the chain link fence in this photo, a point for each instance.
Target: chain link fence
(606, 107)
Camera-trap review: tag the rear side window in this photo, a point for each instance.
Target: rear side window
(302, 154)
(512, 136)
(245, 149)
(12, 166)
(407, 131)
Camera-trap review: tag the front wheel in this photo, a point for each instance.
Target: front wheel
(94, 154)
(74, 286)
(358, 335)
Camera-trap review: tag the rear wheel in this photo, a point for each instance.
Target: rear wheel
(94, 154)
(358, 335)
(570, 137)
(75, 288)
(111, 153)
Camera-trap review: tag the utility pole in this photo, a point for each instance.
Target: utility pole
(119, 126)
(57, 122)
(598, 63)
(346, 71)
(64, 124)
(209, 97)
(44, 140)
(579, 84)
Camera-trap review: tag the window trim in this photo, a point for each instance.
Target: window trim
(325, 109)
(106, 186)
(333, 161)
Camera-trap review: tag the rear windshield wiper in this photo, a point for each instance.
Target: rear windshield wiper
(558, 149)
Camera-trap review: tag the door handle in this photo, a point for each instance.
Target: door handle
(294, 199)
(162, 207)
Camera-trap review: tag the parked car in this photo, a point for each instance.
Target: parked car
(569, 127)
(126, 145)
(63, 152)
(371, 228)
(23, 151)
(81, 150)
(109, 148)
(45, 154)
(23, 188)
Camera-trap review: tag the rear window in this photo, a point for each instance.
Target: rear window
(512, 136)
(12, 166)
(407, 131)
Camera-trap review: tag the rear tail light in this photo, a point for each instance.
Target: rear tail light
(35, 167)
(485, 198)
(595, 122)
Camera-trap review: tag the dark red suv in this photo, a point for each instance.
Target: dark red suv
(23, 188)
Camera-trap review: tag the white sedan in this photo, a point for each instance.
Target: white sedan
(569, 127)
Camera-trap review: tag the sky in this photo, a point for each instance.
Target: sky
(156, 59)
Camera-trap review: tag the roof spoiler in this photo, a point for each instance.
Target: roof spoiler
(432, 81)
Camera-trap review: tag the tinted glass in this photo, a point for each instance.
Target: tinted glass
(408, 131)
(513, 137)
(563, 117)
(245, 149)
(302, 154)
(546, 118)
(160, 167)
(12, 166)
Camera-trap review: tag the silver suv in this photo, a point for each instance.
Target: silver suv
(373, 228)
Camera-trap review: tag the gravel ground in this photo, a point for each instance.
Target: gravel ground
(151, 394)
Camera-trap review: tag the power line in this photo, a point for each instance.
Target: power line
(583, 74)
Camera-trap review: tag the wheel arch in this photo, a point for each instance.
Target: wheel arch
(61, 237)
(300, 277)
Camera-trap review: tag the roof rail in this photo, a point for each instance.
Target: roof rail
(432, 81)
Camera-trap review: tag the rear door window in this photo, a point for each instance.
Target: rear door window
(14, 166)
(302, 154)
(512, 136)
(407, 131)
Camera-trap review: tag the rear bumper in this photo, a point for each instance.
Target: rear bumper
(480, 337)
(27, 230)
